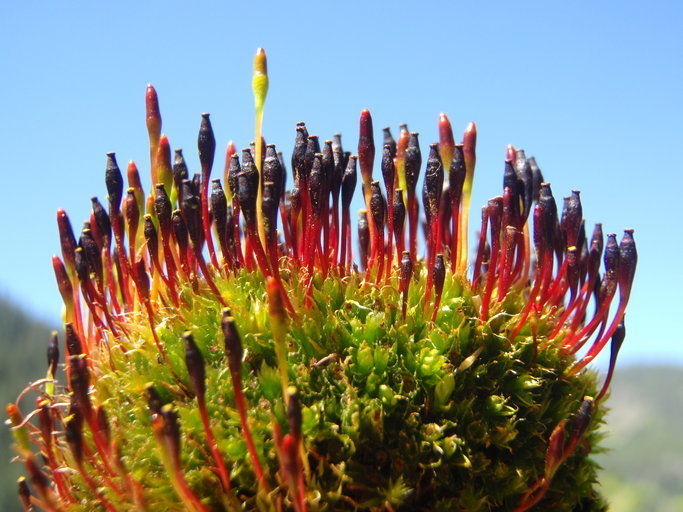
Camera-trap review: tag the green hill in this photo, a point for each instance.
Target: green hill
(644, 467)
(23, 342)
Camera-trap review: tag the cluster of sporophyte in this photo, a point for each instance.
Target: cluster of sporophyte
(224, 351)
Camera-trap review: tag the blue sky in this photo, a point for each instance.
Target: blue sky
(593, 89)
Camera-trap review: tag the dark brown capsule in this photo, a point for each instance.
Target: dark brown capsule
(349, 182)
(273, 172)
(219, 208)
(191, 209)
(312, 148)
(581, 418)
(399, 213)
(74, 347)
(294, 416)
(269, 206)
(92, 254)
(378, 206)
(366, 145)
(315, 186)
(439, 274)
(536, 178)
(247, 187)
(154, 401)
(195, 365)
(142, 278)
(612, 255)
(388, 167)
(572, 215)
(24, 494)
(299, 153)
(628, 259)
(326, 170)
(363, 238)
(233, 171)
(196, 182)
(180, 172)
(163, 209)
(171, 431)
(103, 423)
(114, 182)
(339, 165)
(39, 481)
(283, 168)
(549, 212)
(151, 237)
(102, 221)
(180, 232)
(206, 144)
(412, 162)
(74, 437)
(79, 380)
(81, 265)
(526, 181)
(389, 141)
(45, 422)
(456, 174)
(233, 343)
(67, 239)
(616, 342)
(53, 353)
(433, 183)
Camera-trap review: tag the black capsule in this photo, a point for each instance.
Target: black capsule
(233, 343)
(388, 168)
(363, 238)
(154, 401)
(74, 438)
(192, 214)
(526, 180)
(53, 353)
(180, 172)
(439, 274)
(234, 169)
(315, 186)
(102, 221)
(299, 153)
(180, 231)
(412, 162)
(269, 206)
(74, 347)
(326, 169)
(457, 173)
(151, 237)
(378, 206)
(294, 416)
(399, 212)
(572, 215)
(206, 144)
(536, 178)
(349, 182)
(114, 182)
(195, 365)
(273, 172)
(389, 141)
(433, 183)
(163, 209)
(247, 188)
(628, 259)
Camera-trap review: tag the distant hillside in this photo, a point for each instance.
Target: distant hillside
(23, 358)
(644, 469)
